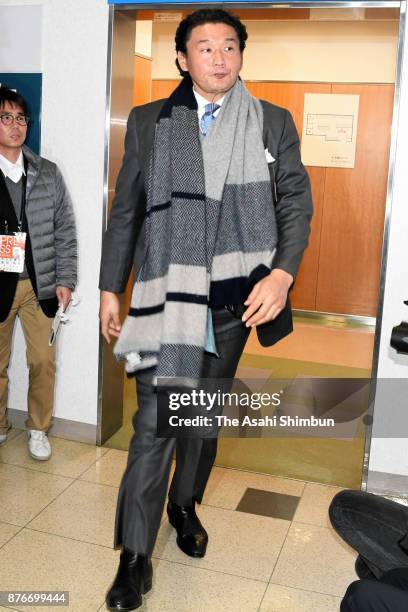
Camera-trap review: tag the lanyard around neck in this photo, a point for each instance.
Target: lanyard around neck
(23, 197)
(23, 179)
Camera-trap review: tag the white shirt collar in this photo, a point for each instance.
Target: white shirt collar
(13, 171)
(201, 102)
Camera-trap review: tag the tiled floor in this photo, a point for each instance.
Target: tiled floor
(56, 526)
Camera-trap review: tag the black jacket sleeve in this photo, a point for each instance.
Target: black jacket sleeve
(293, 204)
(127, 215)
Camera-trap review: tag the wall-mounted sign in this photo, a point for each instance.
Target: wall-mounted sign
(162, 16)
(330, 130)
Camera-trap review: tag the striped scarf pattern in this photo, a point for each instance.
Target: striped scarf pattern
(210, 230)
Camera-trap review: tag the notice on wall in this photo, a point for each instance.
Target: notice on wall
(330, 130)
(168, 16)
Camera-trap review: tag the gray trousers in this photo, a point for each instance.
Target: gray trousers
(377, 528)
(143, 488)
(374, 526)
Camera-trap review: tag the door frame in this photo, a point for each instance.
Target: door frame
(121, 5)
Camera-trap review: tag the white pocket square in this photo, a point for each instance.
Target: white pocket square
(269, 158)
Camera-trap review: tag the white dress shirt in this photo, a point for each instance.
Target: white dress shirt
(201, 102)
(13, 171)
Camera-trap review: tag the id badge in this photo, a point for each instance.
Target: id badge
(12, 252)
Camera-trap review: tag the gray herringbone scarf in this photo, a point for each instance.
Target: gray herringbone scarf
(210, 233)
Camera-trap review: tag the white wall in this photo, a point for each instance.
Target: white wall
(391, 455)
(73, 62)
(361, 52)
(20, 45)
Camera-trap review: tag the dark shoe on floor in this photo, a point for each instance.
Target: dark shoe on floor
(133, 579)
(362, 569)
(192, 538)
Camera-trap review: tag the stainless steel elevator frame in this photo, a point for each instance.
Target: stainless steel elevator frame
(391, 168)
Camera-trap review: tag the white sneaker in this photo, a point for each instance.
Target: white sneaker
(38, 445)
(3, 438)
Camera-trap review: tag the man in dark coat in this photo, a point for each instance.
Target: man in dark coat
(258, 241)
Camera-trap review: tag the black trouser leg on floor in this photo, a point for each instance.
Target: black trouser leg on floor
(143, 488)
(373, 526)
(386, 595)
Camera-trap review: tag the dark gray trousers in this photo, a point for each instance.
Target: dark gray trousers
(389, 594)
(143, 488)
(374, 526)
(377, 529)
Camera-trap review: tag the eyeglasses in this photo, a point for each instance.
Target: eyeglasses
(9, 118)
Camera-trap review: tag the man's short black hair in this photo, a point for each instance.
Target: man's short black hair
(201, 17)
(13, 98)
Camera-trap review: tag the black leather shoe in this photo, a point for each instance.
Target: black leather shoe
(133, 579)
(192, 538)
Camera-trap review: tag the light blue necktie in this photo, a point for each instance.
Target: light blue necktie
(205, 122)
(208, 117)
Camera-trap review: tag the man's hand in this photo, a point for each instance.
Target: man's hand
(63, 295)
(267, 298)
(109, 315)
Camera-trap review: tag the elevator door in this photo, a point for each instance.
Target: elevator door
(328, 281)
